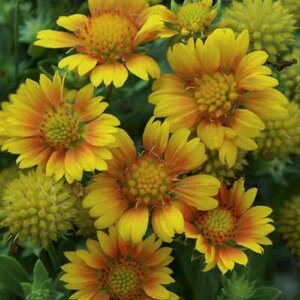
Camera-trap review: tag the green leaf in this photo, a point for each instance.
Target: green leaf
(26, 286)
(5, 294)
(174, 6)
(36, 51)
(40, 275)
(12, 274)
(263, 293)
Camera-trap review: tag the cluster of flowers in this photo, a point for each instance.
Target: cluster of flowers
(208, 114)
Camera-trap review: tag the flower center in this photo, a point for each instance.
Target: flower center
(108, 36)
(215, 95)
(124, 280)
(193, 17)
(217, 225)
(147, 181)
(59, 129)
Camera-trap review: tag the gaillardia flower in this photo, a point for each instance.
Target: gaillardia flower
(289, 224)
(114, 269)
(188, 19)
(106, 42)
(35, 206)
(270, 24)
(281, 137)
(67, 137)
(220, 91)
(153, 182)
(222, 233)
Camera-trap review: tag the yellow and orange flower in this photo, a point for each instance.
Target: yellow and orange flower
(153, 182)
(65, 136)
(106, 41)
(220, 91)
(188, 19)
(112, 268)
(223, 232)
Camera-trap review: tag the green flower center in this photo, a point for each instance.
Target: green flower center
(193, 17)
(217, 225)
(108, 36)
(215, 95)
(123, 280)
(147, 181)
(59, 129)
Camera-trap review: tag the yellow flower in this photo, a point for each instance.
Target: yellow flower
(281, 137)
(290, 77)
(67, 137)
(106, 41)
(112, 268)
(222, 233)
(189, 19)
(220, 91)
(153, 182)
(35, 206)
(270, 24)
(289, 224)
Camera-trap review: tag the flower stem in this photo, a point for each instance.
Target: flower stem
(55, 261)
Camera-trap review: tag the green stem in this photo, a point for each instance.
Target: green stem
(16, 41)
(55, 261)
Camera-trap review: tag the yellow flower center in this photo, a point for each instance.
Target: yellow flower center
(108, 36)
(217, 225)
(59, 129)
(147, 181)
(193, 17)
(215, 95)
(123, 280)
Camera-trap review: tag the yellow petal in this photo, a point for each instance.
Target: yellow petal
(211, 133)
(142, 66)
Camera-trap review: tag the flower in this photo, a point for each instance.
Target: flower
(188, 19)
(36, 206)
(225, 174)
(270, 24)
(290, 77)
(222, 232)
(112, 268)
(289, 224)
(152, 182)
(67, 137)
(106, 42)
(294, 7)
(220, 91)
(281, 137)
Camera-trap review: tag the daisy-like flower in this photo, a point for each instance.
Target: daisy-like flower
(114, 269)
(106, 42)
(65, 136)
(190, 18)
(153, 182)
(223, 232)
(220, 91)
